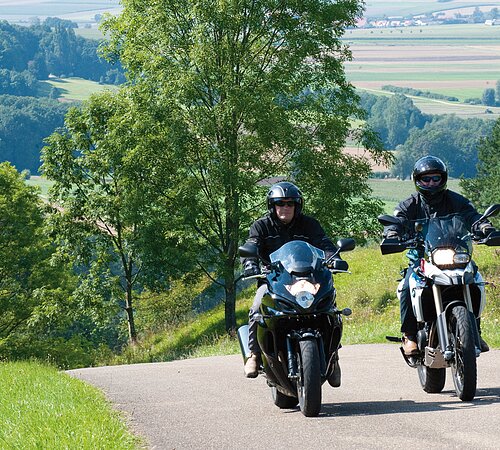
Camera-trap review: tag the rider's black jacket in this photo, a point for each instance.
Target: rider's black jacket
(417, 207)
(270, 234)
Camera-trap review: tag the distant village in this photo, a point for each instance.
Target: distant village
(476, 15)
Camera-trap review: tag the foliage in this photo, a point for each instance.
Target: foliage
(488, 98)
(110, 217)
(24, 123)
(43, 408)
(393, 117)
(252, 91)
(50, 48)
(484, 190)
(450, 138)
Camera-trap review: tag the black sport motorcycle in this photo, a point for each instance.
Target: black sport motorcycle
(300, 327)
(447, 294)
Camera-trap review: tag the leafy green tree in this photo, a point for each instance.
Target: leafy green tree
(253, 90)
(394, 117)
(34, 294)
(110, 217)
(450, 138)
(24, 123)
(488, 98)
(484, 189)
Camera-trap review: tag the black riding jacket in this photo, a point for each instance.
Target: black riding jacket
(270, 234)
(418, 207)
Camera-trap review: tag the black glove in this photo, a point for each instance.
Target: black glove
(392, 235)
(487, 229)
(251, 268)
(339, 264)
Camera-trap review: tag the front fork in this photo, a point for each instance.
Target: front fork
(291, 340)
(442, 324)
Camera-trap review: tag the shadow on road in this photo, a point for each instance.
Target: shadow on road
(483, 397)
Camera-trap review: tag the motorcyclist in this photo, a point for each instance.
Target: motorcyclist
(284, 222)
(432, 199)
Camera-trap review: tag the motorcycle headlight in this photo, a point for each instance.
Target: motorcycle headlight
(304, 292)
(448, 258)
(305, 299)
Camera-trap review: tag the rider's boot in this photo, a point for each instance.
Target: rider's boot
(252, 365)
(409, 345)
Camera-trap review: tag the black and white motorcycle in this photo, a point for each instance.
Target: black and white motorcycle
(448, 295)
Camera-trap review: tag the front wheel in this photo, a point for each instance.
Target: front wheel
(463, 367)
(309, 382)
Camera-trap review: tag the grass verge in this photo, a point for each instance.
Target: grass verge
(41, 408)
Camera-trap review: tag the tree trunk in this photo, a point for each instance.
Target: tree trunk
(230, 305)
(132, 334)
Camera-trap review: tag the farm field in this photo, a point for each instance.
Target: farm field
(22, 11)
(378, 8)
(453, 60)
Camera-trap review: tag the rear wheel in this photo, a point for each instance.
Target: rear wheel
(431, 380)
(463, 367)
(283, 401)
(309, 382)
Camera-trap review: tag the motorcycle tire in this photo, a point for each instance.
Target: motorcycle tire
(309, 382)
(464, 365)
(431, 380)
(283, 401)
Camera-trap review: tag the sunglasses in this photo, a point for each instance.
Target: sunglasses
(434, 178)
(288, 203)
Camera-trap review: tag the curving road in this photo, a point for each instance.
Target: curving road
(206, 403)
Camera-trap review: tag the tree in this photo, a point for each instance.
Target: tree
(110, 218)
(484, 189)
(252, 90)
(488, 98)
(393, 118)
(451, 138)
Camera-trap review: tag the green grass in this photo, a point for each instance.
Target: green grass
(41, 408)
(77, 89)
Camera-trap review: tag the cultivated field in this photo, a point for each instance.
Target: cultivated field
(453, 60)
(23, 11)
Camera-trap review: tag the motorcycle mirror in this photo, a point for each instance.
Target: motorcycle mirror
(346, 244)
(248, 250)
(386, 219)
(490, 211)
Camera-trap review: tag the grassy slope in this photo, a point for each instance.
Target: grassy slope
(42, 408)
(370, 291)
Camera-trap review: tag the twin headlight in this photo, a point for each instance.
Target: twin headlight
(449, 258)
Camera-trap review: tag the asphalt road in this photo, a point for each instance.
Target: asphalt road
(206, 403)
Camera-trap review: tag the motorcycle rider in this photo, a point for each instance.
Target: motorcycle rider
(432, 199)
(284, 222)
